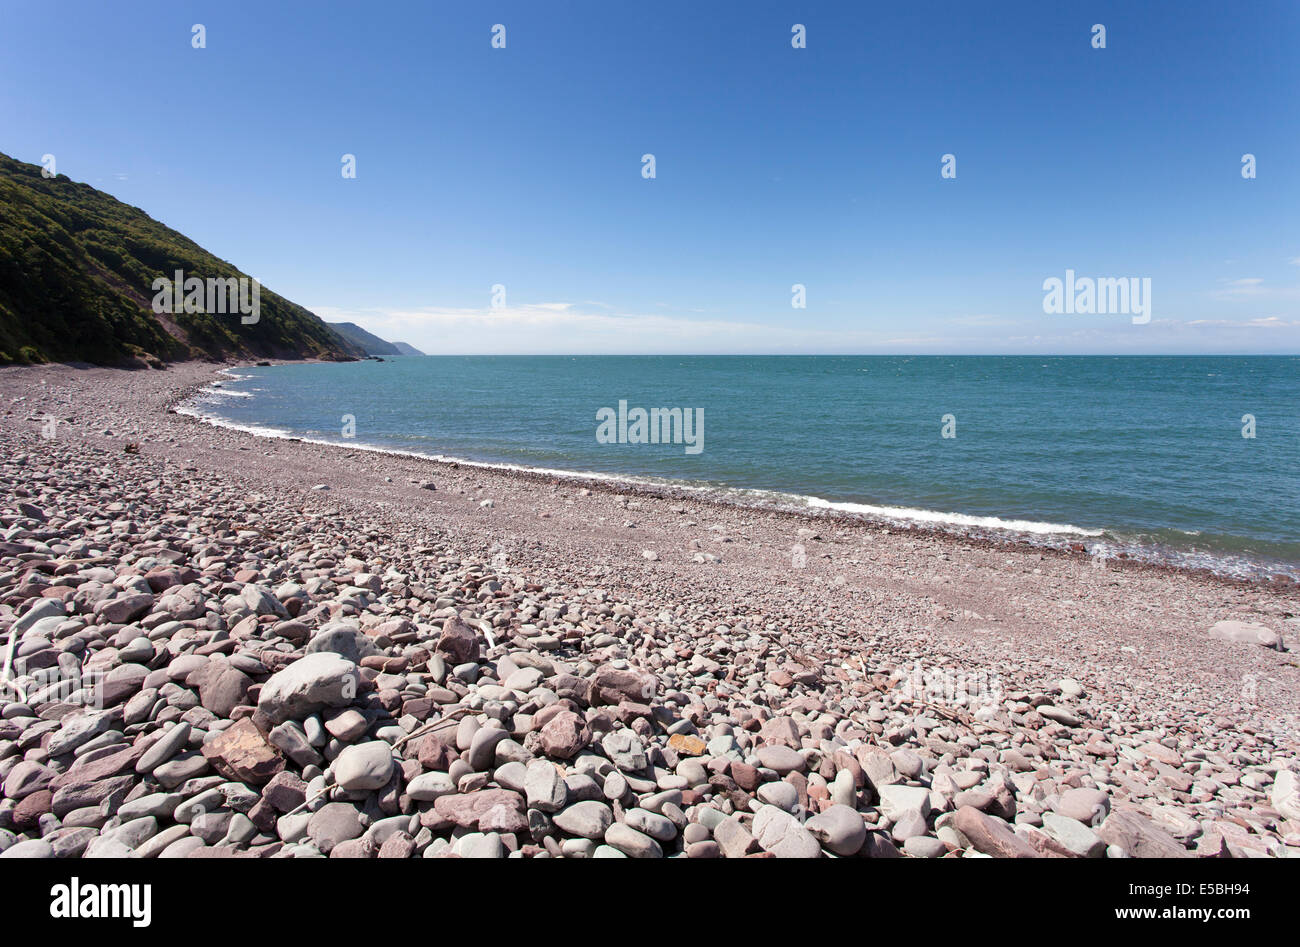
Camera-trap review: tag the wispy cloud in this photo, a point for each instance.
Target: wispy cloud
(983, 320)
(592, 328)
(1254, 287)
(566, 328)
(1263, 322)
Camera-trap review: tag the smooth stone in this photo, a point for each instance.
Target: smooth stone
(1085, 805)
(26, 778)
(180, 769)
(588, 819)
(658, 827)
(164, 748)
(71, 843)
(134, 832)
(907, 763)
(313, 682)
(1246, 632)
(429, 786)
(923, 846)
(780, 833)
(615, 786)
(483, 748)
(839, 829)
(1285, 794)
(364, 766)
(780, 794)
(1060, 715)
(781, 759)
(160, 805)
(1074, 835)
(347, 725)
(632, 843)
(182, 848)
(109, 848)
(29, 848)
(487, 845)
(511, 776)
(898, 800)
(544, 786)
(909, 825)
(333, 823)
(155, 846)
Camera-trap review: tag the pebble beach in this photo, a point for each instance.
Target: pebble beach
(223, 645)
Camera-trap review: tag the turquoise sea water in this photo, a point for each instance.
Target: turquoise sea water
(1133, 453)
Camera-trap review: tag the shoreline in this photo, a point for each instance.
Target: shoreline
(1070, 541)
(757, 703)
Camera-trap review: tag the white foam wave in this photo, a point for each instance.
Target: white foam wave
(938, 517)
(903, 514)
(259, 430)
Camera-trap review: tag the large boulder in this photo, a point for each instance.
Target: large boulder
(120, 683)
(564, 735)
(344, 639)
(184, 602)
(261, 601)
(309, 684)
(27, 777)
(458, 642)
(1246, 632)
(1137, 835)
(610, 685)
(124, 608)
(840, 828)
(467, 809)
(240, 752)
(780, 833)
(991, 835)
(1286, 795)
(224, 689)
(43, 608)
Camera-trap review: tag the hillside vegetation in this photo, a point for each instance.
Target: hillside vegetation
(368, 342)
(76, 273)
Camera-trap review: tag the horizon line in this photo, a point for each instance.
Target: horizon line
(842, 355)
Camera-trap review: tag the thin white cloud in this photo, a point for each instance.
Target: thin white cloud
(983, 320)
(562, 328)
(578, 329)
(1241, 287)
(1254, 287)
(1263, 322)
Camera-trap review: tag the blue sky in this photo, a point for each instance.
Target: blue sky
(821, 166)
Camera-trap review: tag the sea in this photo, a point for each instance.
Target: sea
(1194, 461)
